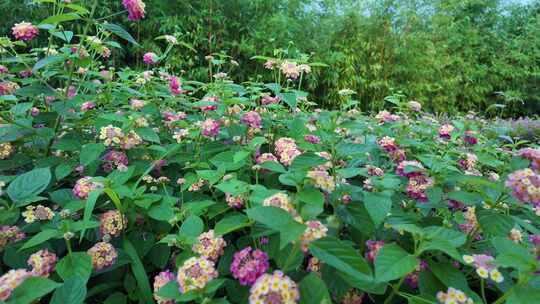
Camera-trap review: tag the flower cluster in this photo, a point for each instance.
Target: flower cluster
(209, 245)
(135, 9)
(210, 128)
(252, 119)
(5, 150)
(24, 31)
(170, 117)
(353, 296)
(388, 144)
(525, 185)
(267, 100)
(310, 138)
(248, 265)
(445, 130)
(286, 150)
(315, 230)
(274, 288)
(42, 263)
(266, 157)
(485, 266)
(468, 163)
(402, 170)
(234, 201)
(414, 106)
(160, 280)
(115, 160)
(39, 213)
(533, 155)
(10, 280)
(322, 180)
(417, 186)
(84, 186)
(10, 234)
(470, 138)
(175, 86)
(412, 278)
(112, 223)
(8, 87)
(103, 255)
(471, 223)
(385, 116)
(453, 296)
(112, 135)
(195, 273)
(373, 248)
(280, 200)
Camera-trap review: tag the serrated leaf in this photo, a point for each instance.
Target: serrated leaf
(231, 223)
(120, 32)
(278, 220)
(392, 262)
(32, 289)
(28, 185)
(90, 153)
(41, 237)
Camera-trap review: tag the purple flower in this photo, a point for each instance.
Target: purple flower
(312, 139)
(210, 128)
(135, 9)
(175, 86)
(248, 265)
(150, 58)
(252, 119)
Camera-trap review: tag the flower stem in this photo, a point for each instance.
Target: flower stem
(483, 290)
(395, 289)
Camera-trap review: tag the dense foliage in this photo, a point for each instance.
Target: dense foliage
(451, 55)
(145, 186)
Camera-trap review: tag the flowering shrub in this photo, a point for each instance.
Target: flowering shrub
(128, 186)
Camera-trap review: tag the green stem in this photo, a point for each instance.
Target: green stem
(395, 289)
(505, 296)
(483, 290)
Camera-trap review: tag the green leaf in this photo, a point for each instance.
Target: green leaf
(452, 277)
(192, 227)
(64, 35)
(273, 166)
(47, 61)
(32, 289)
(378, 205)
(138, 271)
(495, 224)
(289, 258)
(344, 258)
(89, 208)
(290, 99)
(524, 295)
(41, 237)
(90, 153)
(278, 220)
(76, 264)
(120, 32)
(456, 238)
(440, 245)
(513, 255)
(171, 290)
(392, 262)
(56, 19)
(313, 290)
(467, 198)
(148, 134)
(307, 161)
(231, 223)
(73, 291)
(29, 185)
(314, 200)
